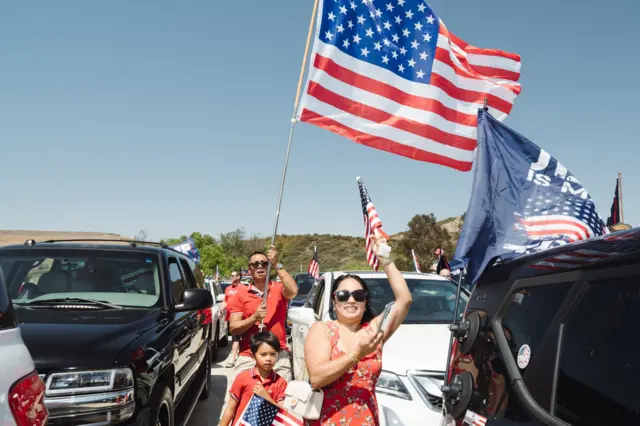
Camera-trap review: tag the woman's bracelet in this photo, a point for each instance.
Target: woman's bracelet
(354, 358)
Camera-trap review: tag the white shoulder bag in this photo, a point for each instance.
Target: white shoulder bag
(304, 401)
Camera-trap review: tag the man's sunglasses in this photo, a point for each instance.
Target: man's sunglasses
(344, 295)
(259, 263)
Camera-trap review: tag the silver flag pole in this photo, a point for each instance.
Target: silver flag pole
(286, 158)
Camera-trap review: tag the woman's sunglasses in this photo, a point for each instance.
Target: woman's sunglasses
(344, 295)
(259, 263)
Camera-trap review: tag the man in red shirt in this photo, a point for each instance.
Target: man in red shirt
(247, 310)
(229, 292)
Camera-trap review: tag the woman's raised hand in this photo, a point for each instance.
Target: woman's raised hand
(368, 344)
(377, 241)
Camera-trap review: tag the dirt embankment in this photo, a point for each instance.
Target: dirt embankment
(19, 236)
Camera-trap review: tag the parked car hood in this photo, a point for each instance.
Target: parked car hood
(417, 347)
(60, 339)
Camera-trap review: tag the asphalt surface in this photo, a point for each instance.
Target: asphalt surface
(207, 413)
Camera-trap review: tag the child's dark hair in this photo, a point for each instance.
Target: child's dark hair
(265, 337)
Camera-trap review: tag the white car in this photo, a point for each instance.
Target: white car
(21, 389)
(413, 360)
(219, 324)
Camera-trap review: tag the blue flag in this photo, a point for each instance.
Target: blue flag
(188, 247)
(522, 201)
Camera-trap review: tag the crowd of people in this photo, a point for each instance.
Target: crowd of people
(343, 357)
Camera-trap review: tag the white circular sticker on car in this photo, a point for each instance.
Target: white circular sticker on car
(524, 356)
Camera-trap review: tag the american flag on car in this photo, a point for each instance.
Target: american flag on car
(314, 266)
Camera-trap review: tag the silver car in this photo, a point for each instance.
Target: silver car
(21, 390)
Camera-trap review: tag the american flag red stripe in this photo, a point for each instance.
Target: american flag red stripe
(314, 266)
(572, 228)
(571, 259)
(433, 120)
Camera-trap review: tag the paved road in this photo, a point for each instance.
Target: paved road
(207, 413)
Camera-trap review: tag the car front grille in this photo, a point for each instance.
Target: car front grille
(428, 384)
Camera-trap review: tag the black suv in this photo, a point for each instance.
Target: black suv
(553, 338)
(115, 330)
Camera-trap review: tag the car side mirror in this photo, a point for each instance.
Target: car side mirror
(302, 315)
(220, 298)
(195, 299)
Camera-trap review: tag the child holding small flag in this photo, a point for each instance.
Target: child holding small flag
(261, 380)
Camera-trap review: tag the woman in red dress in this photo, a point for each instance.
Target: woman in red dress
(344, 357)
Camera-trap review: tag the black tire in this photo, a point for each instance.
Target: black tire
(162, 409)
(206, 372)
(213, 347)
(225, 339)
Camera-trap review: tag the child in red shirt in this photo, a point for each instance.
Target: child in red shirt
(261, 380)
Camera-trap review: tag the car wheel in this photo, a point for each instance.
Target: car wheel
(225, 339)
(206, 372)
(162, 407)
(213, 346)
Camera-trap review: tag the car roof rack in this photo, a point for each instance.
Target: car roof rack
(132, 243)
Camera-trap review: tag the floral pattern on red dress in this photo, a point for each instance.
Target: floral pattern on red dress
(351, 400)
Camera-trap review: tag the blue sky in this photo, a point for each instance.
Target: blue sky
(173, 117)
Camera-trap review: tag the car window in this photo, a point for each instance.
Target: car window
(530, 313)
(599, 366)
(177, 281)
(190, 279)
(197, 273)
(319, 296)
(34, 274)
(305, 284)
(123, 278)
(311, 297)
(7, 319)
(433, 299)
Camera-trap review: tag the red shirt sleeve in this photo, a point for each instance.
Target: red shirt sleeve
(236, 303)
(238, 387)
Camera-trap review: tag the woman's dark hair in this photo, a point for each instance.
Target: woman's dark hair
(264, 337)
(369, 314)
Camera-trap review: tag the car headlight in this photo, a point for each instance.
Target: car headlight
(73, 382)
(391, 384)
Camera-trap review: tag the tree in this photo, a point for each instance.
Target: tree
(424, 237)
(142, 235)
(254, 243)
(233, 243)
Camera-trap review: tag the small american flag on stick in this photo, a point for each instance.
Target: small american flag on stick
(416, 264)
(314, 266)
(261, 412)
(372, 224)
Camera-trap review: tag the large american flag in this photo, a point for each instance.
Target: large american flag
(388, 74)
(314, 266)
(260, 412)
(372, 224)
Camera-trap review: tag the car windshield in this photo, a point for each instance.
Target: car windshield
(304, 284)
(433, 300)
(118, 277)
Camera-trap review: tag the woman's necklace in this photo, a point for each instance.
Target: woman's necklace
(353, 333)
